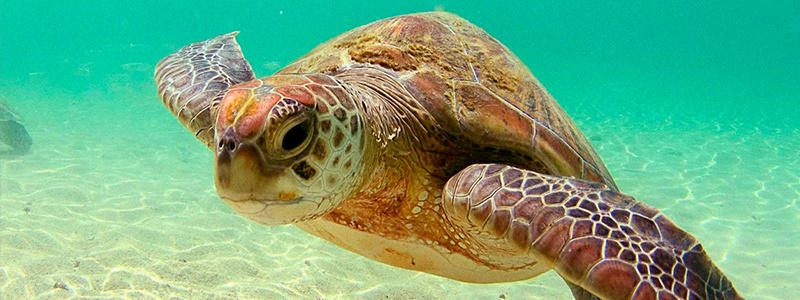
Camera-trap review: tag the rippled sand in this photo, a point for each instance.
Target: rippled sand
(121, 203)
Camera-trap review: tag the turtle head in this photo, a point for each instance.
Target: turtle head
(288, 148)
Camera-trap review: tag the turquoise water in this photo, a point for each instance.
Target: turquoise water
(693, 107)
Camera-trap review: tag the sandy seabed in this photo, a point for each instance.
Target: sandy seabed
(117, 201)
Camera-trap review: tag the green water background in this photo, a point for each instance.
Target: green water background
(705, 91)
(742, 54)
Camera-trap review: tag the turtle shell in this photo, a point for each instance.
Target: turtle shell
(479, 97)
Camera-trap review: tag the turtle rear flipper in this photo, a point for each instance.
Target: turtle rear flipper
(600, 241)
(193, 80)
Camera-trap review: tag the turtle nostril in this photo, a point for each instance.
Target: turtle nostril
(228, 141)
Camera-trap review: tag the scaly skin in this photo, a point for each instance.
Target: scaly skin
(604, 241)
(192, 81)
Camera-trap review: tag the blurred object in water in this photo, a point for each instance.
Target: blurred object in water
(13, 133)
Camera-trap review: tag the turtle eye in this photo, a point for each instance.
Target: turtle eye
(293, 129)
(296, 136)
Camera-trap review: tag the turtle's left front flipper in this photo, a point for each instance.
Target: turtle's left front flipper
(193, 80)
(601, 241)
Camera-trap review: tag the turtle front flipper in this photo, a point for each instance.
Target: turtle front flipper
(603, 241)
(193, 80)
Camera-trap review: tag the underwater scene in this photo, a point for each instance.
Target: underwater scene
(693, 107)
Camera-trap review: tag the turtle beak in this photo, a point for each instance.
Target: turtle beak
(258, 190)
(253, 172)
(236, 165)
(244, 175)
(237, 154)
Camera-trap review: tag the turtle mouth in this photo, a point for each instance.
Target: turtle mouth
(265, 201)
(241, 170)
(276, 212)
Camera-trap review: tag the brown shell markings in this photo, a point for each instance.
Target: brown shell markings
(470, 84)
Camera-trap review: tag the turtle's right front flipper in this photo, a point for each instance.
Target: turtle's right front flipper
(600, 241)
(192, 81)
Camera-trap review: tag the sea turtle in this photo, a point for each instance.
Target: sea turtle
(13, 133)
(422, 142)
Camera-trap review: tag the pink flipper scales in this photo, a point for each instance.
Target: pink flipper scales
(600, 241)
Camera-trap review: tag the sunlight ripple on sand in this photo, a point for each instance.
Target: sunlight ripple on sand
(131, 212)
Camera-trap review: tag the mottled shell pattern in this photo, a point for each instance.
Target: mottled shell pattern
(479, 97)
